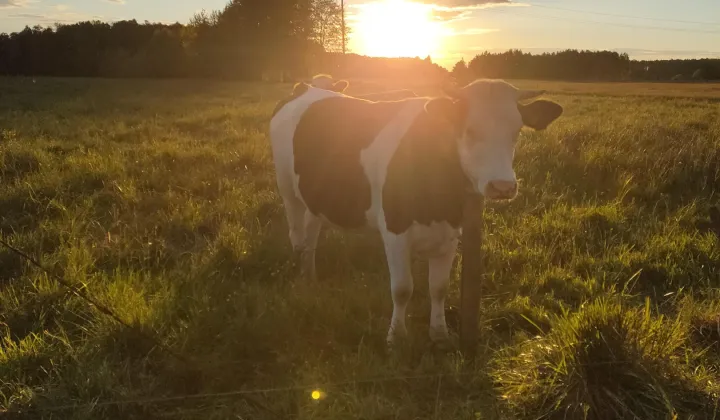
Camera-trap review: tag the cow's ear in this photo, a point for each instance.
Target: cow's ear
(540, 114)
(340, 86)
(300, 88)
(446, 108)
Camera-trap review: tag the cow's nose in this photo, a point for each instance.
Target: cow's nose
(501, 189)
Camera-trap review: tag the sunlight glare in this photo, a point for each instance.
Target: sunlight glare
(397, 28)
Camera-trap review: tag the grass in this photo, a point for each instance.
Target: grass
(158, 198)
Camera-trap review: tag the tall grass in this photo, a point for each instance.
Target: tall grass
(159, 199)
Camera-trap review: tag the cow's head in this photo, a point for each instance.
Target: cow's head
(489, 116)
(324, 81)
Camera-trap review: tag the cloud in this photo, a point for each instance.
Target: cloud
(450, 15)
(454, 10)
(473, 31)
(52, 18)
(26, 16)
(11, 4)
(466, 3)
(460, 5)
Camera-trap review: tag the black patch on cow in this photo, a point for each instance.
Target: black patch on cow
(425, 182)
(327, 144)
(299, 89)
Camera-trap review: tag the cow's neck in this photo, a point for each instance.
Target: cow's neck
(425, 182)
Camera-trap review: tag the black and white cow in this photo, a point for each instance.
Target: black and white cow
(404, 168)
(325, 81)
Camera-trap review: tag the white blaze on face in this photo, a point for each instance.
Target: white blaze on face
(487, 145)
(491, 123)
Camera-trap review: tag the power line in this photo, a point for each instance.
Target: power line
(627, 16)
(625, 25)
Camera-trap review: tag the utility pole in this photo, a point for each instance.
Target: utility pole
(342, 12)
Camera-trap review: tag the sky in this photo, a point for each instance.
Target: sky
(645, 29)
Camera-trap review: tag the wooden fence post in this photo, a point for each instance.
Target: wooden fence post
(472, 272)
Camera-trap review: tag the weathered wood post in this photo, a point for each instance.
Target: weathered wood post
(472, 272)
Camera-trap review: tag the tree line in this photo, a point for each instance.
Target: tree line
(287, 40)
(574, 65)
(247, 40)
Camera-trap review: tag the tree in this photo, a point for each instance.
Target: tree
(327, 20)
(461, 73)
(254, 39)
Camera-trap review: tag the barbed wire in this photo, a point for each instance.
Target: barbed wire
(99, 306)
(311, 388)
(82, 294)
(248, 392)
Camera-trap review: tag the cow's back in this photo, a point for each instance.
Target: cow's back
(327, 145)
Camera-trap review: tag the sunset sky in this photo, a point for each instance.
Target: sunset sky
(452, 29)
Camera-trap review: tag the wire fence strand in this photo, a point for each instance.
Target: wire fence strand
(82, 294)
(248, 392)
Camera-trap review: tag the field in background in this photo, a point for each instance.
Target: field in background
(709, 91)
(660, 90)
(158, 198)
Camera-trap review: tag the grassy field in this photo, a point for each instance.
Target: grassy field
(159, 199)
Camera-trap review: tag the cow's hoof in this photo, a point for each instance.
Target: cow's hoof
(442, 340)
(444, 345)
(311, 274)
(396, 339)
(296, 261)
(439, 334)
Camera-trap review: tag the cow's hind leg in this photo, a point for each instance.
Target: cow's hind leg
(440, 267)
(401, 283)
(295, 214)
(313, 226)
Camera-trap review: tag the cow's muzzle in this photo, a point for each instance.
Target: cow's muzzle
(501, 190)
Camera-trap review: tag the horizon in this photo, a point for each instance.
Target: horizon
(448, 30)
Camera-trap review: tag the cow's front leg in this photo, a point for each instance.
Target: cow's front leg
(440, 267)
(401, 283)
(313, 226)
(294, 212)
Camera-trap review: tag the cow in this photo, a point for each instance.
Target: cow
(403, 168)
(390, 95)
(325, 81)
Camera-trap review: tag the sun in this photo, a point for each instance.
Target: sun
(396, 28)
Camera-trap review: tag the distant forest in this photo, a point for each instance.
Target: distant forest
(573, 65)
(286, 40)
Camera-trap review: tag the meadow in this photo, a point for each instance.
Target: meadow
(158, 199)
